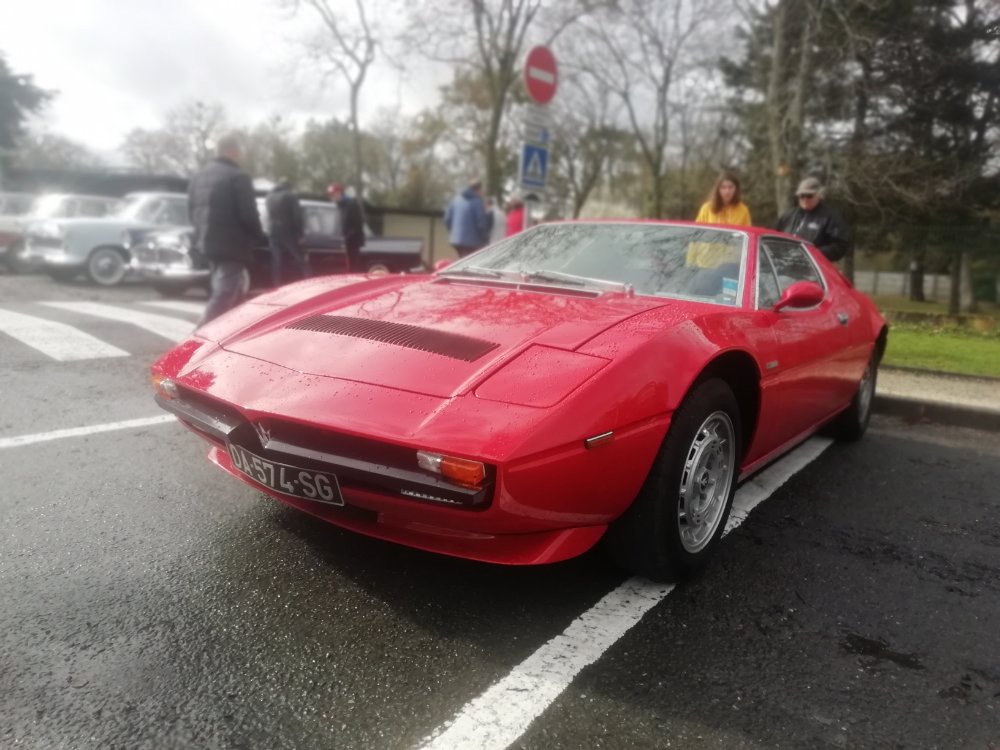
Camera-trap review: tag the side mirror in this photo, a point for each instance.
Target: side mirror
(800, 294)
(443, 264)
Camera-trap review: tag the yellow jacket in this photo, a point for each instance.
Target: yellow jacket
(737, 214)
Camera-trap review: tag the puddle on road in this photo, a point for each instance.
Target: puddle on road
(879, 651)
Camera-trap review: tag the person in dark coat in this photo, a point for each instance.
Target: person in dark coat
(223, 211)
(286, 227)
(352, 225)
(816, 222)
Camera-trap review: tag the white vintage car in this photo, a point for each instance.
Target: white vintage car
(19, 210)
(97, 247)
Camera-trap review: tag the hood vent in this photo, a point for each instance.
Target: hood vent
(446, 344)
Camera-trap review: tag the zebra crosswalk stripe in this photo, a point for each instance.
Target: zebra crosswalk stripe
(56, 340)
(178, 305)
(162, 325)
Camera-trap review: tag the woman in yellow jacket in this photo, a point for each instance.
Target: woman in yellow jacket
(725, 204)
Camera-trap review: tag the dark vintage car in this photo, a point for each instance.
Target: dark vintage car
(167, 259)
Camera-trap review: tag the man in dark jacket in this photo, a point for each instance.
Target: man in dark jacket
(223, 211)
(814, 221)
(352, 225)
(286, 228)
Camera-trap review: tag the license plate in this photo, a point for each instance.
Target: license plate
(288, 480)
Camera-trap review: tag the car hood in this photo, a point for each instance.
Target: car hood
(433, 337)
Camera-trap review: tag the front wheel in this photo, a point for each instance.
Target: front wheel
(106, 266)
(672, 527)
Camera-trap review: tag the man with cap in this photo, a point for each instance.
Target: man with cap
(816, 222)
(352, 225)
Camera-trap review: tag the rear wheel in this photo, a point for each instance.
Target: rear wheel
(106, 266)
(672, 527)
(851, 424)
(378, 269)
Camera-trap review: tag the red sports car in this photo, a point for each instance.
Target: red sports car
(576, 383)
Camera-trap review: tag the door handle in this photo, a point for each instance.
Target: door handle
(842, 318)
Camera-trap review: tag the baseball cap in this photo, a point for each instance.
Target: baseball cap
(809, 186)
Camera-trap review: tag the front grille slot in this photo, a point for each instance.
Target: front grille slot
(452, 345)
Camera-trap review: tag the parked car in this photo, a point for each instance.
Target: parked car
(167, 260)
(95, 246)
(30, 209)
(577, 382)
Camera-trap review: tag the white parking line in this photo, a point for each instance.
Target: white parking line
(196, 308)
(56, 340)
(41, 437)
(499, 716)
(162, 325)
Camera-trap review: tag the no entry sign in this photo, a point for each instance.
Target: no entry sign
(541, 75)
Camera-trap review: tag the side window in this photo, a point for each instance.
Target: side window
(768, 292)
(791, 263)
(320, 219)
(68, 209)
(92, 208)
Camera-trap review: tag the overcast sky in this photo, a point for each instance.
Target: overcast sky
(121, 64)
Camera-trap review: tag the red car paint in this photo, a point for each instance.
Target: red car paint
(566, 364)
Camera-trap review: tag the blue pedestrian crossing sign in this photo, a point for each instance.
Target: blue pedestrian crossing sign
(534, 166)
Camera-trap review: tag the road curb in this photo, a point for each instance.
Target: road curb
(937, 373)
(955, 415)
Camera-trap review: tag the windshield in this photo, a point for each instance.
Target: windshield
(139, 208)
(688, 262)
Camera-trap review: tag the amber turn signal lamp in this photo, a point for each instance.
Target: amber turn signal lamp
(459, 470)
(164, 386)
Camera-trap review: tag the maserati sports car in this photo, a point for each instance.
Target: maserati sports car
(580, 382)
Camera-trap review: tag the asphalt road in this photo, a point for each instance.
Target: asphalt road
(150, 601)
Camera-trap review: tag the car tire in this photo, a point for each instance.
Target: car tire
(851, 424)
(378, 268)
(106, 266)
(675, 522)
(171, 290)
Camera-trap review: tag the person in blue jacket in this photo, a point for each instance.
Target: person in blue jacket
(467, 221)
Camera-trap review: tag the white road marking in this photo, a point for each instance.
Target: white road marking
(56, 340)
(196, 308)
(162, 325)
(499, 716)
(41, 437)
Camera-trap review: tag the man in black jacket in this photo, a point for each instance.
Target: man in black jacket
(814, 221)
(286, 228)
(223, 211)
(352, 225)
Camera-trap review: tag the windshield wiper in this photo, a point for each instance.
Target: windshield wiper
(474, 271)
(570, 278)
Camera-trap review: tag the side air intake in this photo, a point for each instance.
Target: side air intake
(446, 344)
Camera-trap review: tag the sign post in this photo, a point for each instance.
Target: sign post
(541, 79)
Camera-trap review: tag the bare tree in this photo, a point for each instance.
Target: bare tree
(642, 49)
(184, 143)
(485, 40)
(346, 47)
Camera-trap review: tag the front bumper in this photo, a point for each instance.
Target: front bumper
(172, 272)
(540, 504)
